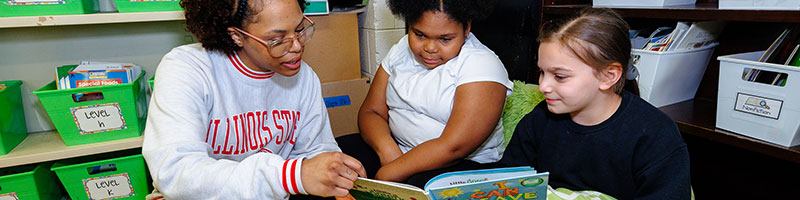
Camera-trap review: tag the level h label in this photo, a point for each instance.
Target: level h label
(98, 118)
(109, 187)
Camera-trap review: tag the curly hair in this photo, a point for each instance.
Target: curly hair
(209, 20)
(462, 11)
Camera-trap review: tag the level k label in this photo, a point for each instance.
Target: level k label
(109, 187)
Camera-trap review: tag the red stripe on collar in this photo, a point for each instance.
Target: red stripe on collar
(247, 71)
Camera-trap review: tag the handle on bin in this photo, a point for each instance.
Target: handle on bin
(87, 96)
(101, 168)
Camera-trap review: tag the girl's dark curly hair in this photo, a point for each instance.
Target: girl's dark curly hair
(209, 20)
(462, 11)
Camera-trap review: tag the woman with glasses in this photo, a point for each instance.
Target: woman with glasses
(435, 103)
(240, 115)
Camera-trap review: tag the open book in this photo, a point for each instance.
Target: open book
(501, 183)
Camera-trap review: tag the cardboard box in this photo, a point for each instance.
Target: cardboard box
(375, 44)
(344, 99)
(377, 15)
(333, 51)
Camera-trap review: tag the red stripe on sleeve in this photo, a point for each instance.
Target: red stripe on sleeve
(294, 181)
(283, 177)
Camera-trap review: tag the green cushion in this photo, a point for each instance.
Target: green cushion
(518, 104)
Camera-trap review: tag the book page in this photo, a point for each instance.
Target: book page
(368, 189)
(530, 186)
(476, 176)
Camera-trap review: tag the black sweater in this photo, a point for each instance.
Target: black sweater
(638, 153)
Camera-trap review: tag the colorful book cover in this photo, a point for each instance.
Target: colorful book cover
(79, 79)
(491, 184)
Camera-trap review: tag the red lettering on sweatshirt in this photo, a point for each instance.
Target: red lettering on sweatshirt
(265, 127)
(247, 131)
(225, 149)
(275, 116)
(214, 138)
(253, 130)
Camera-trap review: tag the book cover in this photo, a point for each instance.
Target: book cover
(785, 47)
(774, 45)
(699, 34)
(79, 79)
(492, 184)
(794, 58)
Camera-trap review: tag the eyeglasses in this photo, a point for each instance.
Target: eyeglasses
(281, 46)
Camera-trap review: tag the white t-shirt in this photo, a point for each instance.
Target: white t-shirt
(420, 100)
(218, 130)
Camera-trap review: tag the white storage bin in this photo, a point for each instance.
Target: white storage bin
(760, 4)
(763, 111)
(670, 77)
(641, 3)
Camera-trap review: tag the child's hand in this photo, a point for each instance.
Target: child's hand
(331, 174)
(389, 173)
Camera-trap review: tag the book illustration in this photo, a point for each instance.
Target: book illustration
(493, 184)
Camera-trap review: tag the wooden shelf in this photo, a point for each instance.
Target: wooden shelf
(48, 146)
(97, 18)
(698, 117)
(701, 11)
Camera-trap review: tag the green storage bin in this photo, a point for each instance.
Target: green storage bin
(126, 6)
(151, 82)
(25, 182)
(91, 121)
(66, 7)
(111, 177)
(13, 128)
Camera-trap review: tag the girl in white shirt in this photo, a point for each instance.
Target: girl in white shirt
(435, 103)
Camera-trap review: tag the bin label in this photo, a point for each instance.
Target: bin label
(9, 196)
(108, 187)
(98, 118)
(34, 2)
(759, 106)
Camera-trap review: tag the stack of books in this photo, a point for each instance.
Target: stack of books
(94, 73)
(783, 51)
(684, 36)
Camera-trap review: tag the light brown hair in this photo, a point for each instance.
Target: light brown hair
(599, 38)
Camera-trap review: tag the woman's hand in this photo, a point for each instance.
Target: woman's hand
(330, 174)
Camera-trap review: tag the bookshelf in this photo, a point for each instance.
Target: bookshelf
(720, 159)
(48, 146)
(84, 19)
